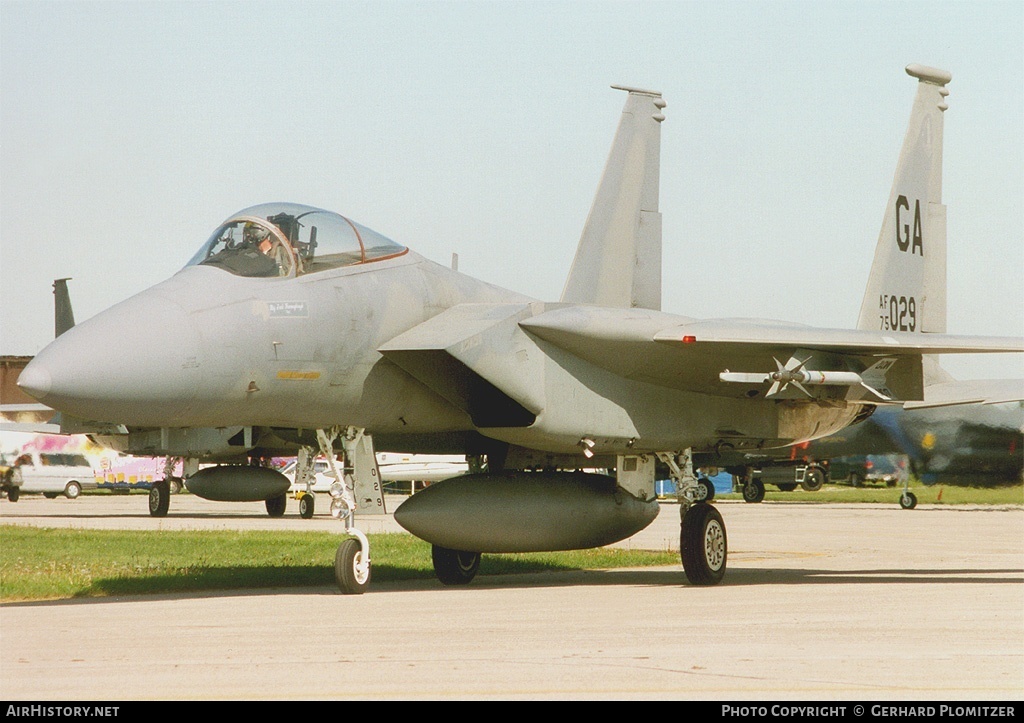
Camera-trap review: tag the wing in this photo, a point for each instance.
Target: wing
(746, 357)
(490, 359)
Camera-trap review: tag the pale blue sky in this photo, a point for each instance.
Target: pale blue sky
(128, 131)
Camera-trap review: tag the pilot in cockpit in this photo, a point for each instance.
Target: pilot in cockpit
(260, 238)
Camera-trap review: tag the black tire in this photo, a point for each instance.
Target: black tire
(13, 480)
(908, 501)
(307, 503)
(175, 485)
(787, 486)
(702, 545)
(455, 567)
(705, 490)
(159, 499)
(276, 505)
(855, 480)
(814, 479)
(72, 490)
(753, 491)
(346, 573)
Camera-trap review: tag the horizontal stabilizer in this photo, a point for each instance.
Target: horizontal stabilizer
(30, 427)
(8, 411)
(970, 391)
(33, 418)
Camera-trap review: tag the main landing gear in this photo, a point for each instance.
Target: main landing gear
(160, 491)
(703, 545)
(159, 498)
(454, 567)
(276, 505)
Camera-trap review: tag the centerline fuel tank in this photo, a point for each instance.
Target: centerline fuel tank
(237, 483)
(525, 512)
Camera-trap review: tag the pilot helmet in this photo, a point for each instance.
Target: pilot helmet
(255, 233)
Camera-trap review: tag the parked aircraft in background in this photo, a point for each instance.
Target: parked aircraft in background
(295, 328)
(972, 444)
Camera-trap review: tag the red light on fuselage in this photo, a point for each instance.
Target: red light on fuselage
(689, 339)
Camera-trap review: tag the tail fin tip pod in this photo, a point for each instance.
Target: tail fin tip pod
(929, 74)
(618, 259)
(906, 288)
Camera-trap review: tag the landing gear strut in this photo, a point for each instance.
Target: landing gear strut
(352, 560)
(703, 546)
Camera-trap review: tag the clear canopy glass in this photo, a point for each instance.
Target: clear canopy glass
(288, 239)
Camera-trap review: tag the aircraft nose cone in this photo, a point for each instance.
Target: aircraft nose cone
(124, 366)
(35, 380)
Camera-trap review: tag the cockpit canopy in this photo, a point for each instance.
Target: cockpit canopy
(287, 239)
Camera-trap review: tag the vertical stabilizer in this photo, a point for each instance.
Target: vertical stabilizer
(63, 316)
(906, 289)
(618, 260)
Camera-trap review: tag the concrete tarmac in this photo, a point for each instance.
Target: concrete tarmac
(820, 602)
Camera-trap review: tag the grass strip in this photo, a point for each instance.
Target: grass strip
(49, 563)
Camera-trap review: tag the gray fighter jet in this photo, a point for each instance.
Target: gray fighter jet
(294, 329)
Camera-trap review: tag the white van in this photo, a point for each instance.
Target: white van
(52, 474)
